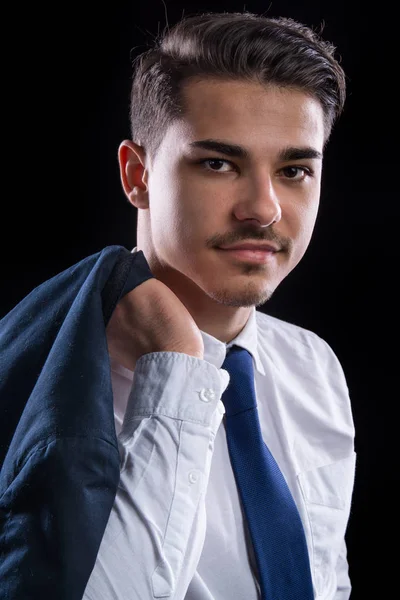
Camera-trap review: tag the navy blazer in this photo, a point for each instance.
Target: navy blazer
(58, 447)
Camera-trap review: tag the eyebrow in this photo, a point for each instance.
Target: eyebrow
(234, 150)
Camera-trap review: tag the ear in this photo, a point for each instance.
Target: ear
(133, 173)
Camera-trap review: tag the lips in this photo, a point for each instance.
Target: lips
(251, 247)
(252, 255)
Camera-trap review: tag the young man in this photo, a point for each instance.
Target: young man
(230, 115)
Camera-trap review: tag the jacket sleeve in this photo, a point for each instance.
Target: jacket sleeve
(59, 453)
(156, 531)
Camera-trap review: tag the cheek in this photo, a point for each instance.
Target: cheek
(307, 224)
(308, 216)
(195, 211)
(300, 219)
(177, 218)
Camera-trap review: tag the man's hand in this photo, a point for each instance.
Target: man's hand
(151, 318)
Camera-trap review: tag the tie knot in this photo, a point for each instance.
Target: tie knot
(240, 393)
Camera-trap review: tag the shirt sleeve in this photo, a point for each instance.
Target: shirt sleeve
(166, 445)
(345, 485)
(343, 590)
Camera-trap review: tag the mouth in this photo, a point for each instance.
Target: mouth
(257, 256)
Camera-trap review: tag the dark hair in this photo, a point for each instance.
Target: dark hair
(230, 46)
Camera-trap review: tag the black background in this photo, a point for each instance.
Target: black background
(66, 80)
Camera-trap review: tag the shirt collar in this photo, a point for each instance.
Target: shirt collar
(215, 351)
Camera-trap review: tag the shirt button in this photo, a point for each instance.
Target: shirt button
(207, 394)
(193, 476)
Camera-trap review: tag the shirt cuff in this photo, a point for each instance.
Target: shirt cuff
(179, 386)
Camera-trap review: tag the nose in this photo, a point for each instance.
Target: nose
(261, 203)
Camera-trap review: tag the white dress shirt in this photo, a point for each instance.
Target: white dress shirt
(177, 529)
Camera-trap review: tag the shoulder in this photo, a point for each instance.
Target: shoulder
(292, 343)
(303, 366)
(289, 332)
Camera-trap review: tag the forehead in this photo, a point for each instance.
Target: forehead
(258, 116)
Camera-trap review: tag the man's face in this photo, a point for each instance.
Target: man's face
(200, 199)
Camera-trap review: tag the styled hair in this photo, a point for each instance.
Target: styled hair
(230, 46)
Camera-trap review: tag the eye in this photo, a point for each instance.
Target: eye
(213, 161)
(296, 173)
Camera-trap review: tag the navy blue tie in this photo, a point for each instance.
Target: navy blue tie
(273, 520)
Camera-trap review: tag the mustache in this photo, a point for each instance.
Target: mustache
(250, 235)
